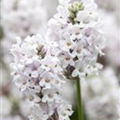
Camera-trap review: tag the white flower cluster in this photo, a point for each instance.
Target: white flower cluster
(22, 17)
(76, 29)
(70, 49)
(39, 76)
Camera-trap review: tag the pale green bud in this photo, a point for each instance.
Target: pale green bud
(72, 15)
(74, 9)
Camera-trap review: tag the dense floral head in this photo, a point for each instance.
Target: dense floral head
(38, 75)
(77, 30)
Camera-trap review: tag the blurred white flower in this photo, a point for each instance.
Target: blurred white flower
(112, 31)
(100, 95)
(5, 106)
(50, 8)
(22, 18)
(106, 4)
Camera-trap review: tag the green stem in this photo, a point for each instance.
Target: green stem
(79, 101)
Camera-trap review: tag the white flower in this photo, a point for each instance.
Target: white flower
(5, 106)
(47, 80)
(43, 111)
(22, 83)
(32, 99)
(49, 96)
(64, 111)
(50, 62)
(88, 15)
(66, 59)
(50, 80)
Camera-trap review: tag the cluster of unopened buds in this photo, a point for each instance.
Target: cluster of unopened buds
(43, 64)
